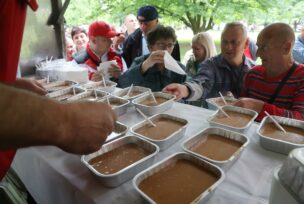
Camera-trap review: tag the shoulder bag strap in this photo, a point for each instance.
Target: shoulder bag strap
(282, 83)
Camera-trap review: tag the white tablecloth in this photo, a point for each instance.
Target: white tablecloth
(54, 176)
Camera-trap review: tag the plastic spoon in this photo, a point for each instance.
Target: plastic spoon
(95, 94)
(153, 96)
(223, 98)
(275, 122)
(108, 101)
(220, 108)
(146, 118)
(129, 91)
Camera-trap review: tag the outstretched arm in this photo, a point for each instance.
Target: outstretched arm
(296, 112)
(27, 119)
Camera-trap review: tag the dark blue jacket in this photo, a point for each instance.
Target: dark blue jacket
(153, 78)
(132, 48)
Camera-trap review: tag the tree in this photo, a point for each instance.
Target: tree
(198, 15)
(80, 12)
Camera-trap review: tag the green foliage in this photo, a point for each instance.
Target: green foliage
(82, 12)
(199, 15)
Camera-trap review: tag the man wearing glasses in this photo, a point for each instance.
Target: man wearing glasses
(149, 70)
(136, 43)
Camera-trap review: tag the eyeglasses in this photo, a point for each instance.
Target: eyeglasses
(164, 46)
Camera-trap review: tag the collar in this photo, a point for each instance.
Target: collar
(246, 63)
(92, 54)
(104, 57)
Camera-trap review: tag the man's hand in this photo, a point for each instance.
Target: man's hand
(30, 85)
(96, 76)
(179, 90)
(250, 103)
(118, 40)
(85, 127)
(114, 71)
(154, 57)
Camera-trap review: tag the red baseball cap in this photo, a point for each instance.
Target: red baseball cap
(102, 29)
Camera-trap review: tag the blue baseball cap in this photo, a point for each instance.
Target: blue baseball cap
(147, 13)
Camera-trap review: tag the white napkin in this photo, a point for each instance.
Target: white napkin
(103, 68)
(172, 65)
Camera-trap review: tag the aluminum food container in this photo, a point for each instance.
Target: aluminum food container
(123, 93)
(202, 198)
(277, 145)
(110, 86)
(279, 194)
(152, 110)
(201, 137)
(58, 85)
(291, 174)
(121, 109)
(235, 109)
(42, 81)
(212, 101)
(113, 180)
(171, 139)
(119, 130)
(64, 94)
(91, 93)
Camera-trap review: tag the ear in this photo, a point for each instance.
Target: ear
(287, 47)
(150, 48)
(246, 43)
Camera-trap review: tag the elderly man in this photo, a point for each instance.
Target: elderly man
(221, 73)
(298, 49)
(276, 86)
(136, 44)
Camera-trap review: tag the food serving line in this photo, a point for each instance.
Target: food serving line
(54, 176)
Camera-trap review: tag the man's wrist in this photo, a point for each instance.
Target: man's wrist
(144, 67)
(189, 91)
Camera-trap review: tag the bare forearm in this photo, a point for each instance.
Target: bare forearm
(27, 119)
(22, 117)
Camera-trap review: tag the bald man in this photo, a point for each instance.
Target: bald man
(276, 86)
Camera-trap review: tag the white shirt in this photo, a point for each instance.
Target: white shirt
(145, 49)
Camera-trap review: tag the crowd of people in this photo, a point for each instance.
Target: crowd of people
(275, 86)
(208, 73)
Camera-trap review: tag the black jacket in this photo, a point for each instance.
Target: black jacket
(132, 48)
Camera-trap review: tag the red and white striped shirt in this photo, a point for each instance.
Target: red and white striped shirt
(290, 100)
